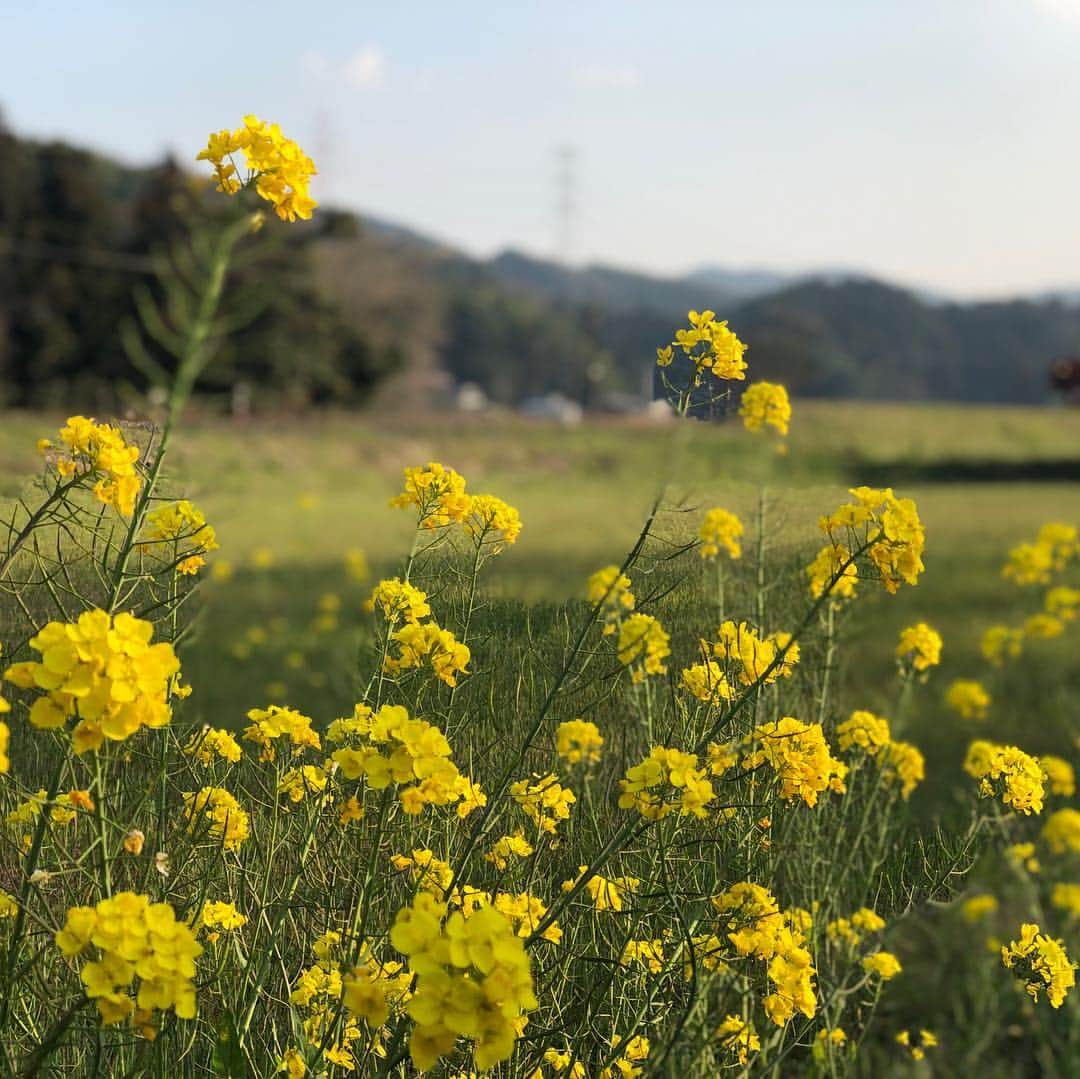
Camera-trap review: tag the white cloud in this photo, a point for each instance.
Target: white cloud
(617, 77)
(365, 68)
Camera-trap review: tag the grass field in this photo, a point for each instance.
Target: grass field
(280, 619)
(289, 496)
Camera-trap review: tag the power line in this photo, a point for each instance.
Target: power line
(565, 203)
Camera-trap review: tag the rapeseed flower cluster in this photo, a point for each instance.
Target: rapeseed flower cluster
(755, 658)
(643, 646)
(1008, 773)
(1041, 963)
(184, 525)
(577, 741)
(399, 601)
(1060, 775)
(492, 523)
(606, 894)
(215, 813)
(609, 589)
(831, 560)
(1000, 644)
(850, 932)
(297, 783)
(418, 642)
(1062, 831)
(439, 496)
(766, 404)
(218, 915)
(720, 531)
(968, 699)
(545, 801)
(900, 762)
(919, 648)
(102, 671)
(411, 754)
(473, 980)
(751, 919)
(132, 938)
(429, 873)
(887, 527)
(800, 756)
(666, 780)
(213, 744)
(709, 345)
(100, 452)
(737, 1039)
(708, 682)
(1055, 546)
(277, 168)
(366, 991)
(437, 492)
(275, 723)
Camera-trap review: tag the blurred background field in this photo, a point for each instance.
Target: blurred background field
(291, 498)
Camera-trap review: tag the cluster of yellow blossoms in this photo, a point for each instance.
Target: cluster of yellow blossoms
(720, 530)
(279, 170)
(212, 744)
(667, 779)
(103, 671)
(766, 404)
(737, 1038)
(1035, 563)
(756, 658)
(968, 699)
(709, 345)
(1062, 831)
(609, 589)
(606, 894)
(799, 754)
(850, 932)
(214, 812)
(99, 451)
(708, 682)
(274, 722)
(393, 749)
(367, 990)
(578, 740)
(418, 642)
(184, 525)
(752, 921)
(887, 527)
(1008, 773)
(439, 495)
(919, 648)
(822, 571)
(545, 801)
(899, 761)
(473, 980)
(133, 938)
(1042, 963)
(643, 646)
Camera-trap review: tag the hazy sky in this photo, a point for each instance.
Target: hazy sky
(935, 143)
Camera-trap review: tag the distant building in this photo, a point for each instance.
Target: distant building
(553, 406)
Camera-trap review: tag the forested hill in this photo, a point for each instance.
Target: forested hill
(329, 309)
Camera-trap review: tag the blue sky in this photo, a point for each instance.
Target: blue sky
(934, 143)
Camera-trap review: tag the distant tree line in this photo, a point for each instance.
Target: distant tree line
(79, 235)
(323, 312)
